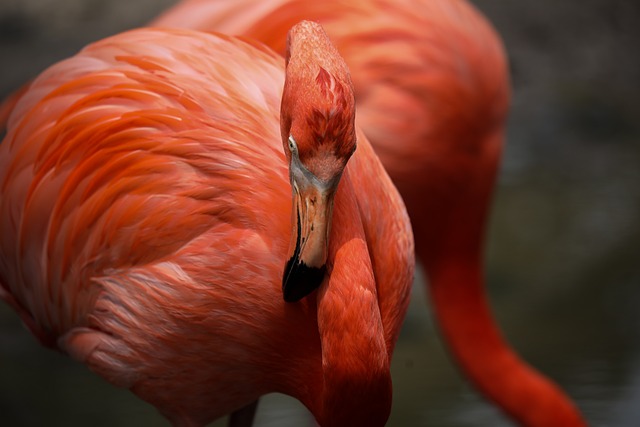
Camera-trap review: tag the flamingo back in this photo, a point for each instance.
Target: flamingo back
(123, 155)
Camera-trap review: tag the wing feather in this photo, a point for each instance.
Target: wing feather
(126, 153)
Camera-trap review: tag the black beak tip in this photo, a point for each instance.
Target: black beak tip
(300, 280)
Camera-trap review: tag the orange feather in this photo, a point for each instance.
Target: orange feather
(432, 91)
(144, 223)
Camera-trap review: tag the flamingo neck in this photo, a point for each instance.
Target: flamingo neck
(355, 362)
(463, 313)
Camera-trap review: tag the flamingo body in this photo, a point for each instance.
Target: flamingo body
(432, 90)
(145, 219)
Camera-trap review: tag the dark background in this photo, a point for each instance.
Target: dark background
(564, 242)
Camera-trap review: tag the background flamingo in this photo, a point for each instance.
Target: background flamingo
(146, 212)
(563, 226)
(432, 87)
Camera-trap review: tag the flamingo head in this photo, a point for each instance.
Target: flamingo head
(318, 133)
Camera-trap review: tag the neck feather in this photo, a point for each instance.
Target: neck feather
(462, 310)
(357, 382)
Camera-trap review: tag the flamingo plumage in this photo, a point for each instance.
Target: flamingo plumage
(432, 90)
(152, 197)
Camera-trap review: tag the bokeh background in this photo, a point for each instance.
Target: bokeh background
(564, 239)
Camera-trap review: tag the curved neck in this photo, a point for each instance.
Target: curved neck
(463, 313)
(355, 362)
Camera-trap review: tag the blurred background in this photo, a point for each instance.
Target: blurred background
(564, 240)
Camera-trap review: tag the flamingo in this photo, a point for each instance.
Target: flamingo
(432, 90)
(194, 222)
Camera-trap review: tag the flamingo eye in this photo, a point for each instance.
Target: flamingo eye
(293, 147)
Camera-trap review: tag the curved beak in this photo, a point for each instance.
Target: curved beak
(312, 213)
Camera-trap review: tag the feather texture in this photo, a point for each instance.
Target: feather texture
(432, 90)
(145, 218)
